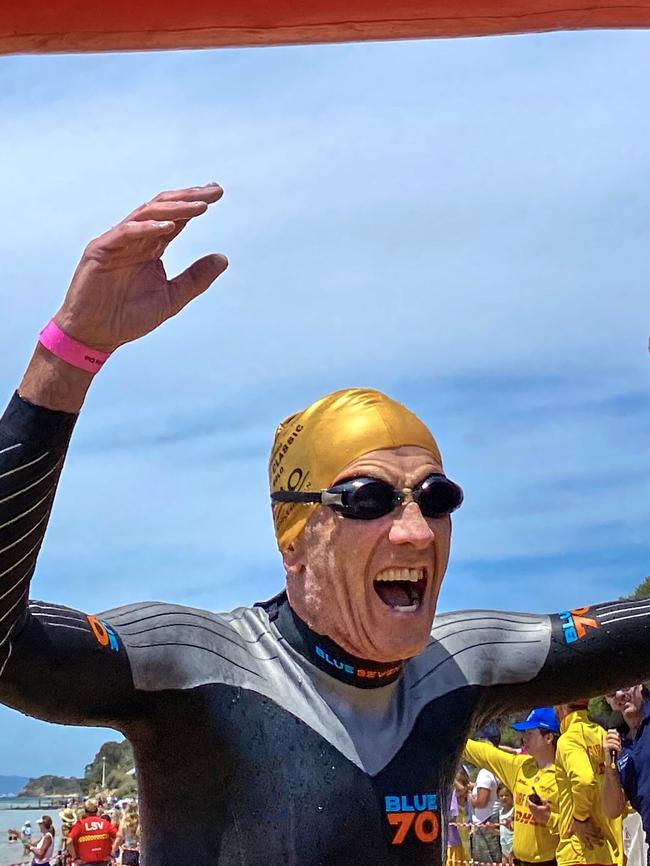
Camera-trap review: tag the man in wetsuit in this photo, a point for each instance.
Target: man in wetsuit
(323, 727)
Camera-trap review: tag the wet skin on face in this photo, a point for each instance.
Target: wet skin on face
(332, 567)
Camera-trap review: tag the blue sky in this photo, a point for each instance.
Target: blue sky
(462, 223)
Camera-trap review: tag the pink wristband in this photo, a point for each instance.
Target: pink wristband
(70, 350)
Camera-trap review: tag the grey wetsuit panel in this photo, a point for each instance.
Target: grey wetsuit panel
(172, 647)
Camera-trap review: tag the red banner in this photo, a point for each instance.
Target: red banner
(102, 25)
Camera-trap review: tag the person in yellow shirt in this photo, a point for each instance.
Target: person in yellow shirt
(528, 776)
(587, 835)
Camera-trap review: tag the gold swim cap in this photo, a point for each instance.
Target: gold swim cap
(313, 446)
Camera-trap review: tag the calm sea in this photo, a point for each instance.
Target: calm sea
(11, 816)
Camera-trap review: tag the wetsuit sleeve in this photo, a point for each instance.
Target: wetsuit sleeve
(504, 765)
(580, 774)
(56, 663)
(592, 650)
(525, 660)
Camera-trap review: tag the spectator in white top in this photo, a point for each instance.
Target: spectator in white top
(43, 850)
(485, 844)
(26, 836)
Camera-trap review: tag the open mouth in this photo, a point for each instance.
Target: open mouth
(401, 588)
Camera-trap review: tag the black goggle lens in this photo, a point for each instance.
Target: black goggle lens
(370, 498)
(437, 496)
(366, 499)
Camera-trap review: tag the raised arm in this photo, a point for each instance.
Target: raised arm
(503, 764)
(593, 648)
(119, 292)
(524, 660)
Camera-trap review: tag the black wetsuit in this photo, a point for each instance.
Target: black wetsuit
(257, 741)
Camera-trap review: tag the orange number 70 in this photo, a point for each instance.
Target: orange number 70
(425, 826)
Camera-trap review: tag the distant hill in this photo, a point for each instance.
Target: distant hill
(12, 784)
(112, 765)
(44, 785)
(112, 769)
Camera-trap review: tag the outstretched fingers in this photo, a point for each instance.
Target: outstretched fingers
(191, 196)
(169, 210)
(139, 233)
(145, 236)
(150, 227)
(179, 205)
(210, 193)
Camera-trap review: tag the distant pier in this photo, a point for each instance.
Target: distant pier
(46, 801)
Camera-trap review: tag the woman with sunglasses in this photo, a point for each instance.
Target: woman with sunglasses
(323, 727)
(43, 850)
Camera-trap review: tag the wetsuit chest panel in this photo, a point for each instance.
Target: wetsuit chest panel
(228, 758)
(180, 648)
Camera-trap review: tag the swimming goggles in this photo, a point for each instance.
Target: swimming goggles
(370, 498)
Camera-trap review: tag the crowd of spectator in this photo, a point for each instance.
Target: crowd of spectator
(101, 832)
(562, 796)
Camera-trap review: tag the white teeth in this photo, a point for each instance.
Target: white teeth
(410, 574)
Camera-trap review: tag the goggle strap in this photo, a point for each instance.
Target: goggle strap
(324, 497)
(296, 496)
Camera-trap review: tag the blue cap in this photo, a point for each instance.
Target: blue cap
(543, 718)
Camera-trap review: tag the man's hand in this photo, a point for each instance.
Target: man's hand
(120, 290)
(587, 832)
(612, 746)
(612, 793)
(541, 812)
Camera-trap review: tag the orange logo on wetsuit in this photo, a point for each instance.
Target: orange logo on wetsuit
(381, 674)
(575, 623)
(414, 817)
(104, 634)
